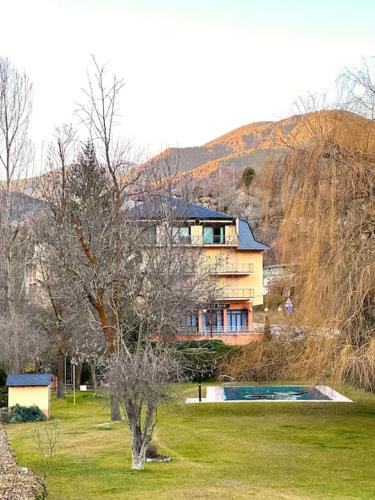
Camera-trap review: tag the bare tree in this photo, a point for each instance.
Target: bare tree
(15, 110)
(169, 280)
(86, 239)
(47, 438)
(127, 270)
(99, 114)
(54, 312)
(141, 379)
(357, 89)
(15, 157)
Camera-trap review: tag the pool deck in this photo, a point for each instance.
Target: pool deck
(215, 394)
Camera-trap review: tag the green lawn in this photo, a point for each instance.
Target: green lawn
(263, 450)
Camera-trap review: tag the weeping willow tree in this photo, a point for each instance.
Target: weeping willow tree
(328, 232)
(327, 198)
(329, 224)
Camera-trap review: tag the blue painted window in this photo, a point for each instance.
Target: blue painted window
(190, 320)
(181, 234)
(214, 317)
(237, 319)
(213, 235)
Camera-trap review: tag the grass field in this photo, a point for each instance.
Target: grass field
(259, 450)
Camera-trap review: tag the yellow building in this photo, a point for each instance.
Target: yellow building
(230, 243)
(30, 390)
(226, 242)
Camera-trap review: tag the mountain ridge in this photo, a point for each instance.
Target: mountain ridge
(244, 143)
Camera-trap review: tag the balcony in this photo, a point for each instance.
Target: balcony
(193, 241)
(207, 242)
(217, 241)
(234, 268)
(215, 330)
(236, 293)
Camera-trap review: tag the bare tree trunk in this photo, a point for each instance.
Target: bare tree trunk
(38, 366)
(78, 375)
(8, 279)
(140, 437)
(115, 409)
(139, 447)
(60, 374)
(94, 380)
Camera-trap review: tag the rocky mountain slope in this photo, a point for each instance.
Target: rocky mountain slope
(210, 174)
(251, 145)
(21, 204)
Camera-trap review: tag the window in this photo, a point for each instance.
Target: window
(237, 319)
(212, 321)
(181, 234)
(213, 235)
(190, 323)
(190, 320)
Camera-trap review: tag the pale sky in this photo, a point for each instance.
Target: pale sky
(194, 69)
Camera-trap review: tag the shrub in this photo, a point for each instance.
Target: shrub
(319, 356)
(152, 450)
(3, 397)
(247, 177)
(258, 361)
(210, 345)
(267, 329)
(3, 377)
(273, 299)
(200, 358)
(20, 414)
(4, 415)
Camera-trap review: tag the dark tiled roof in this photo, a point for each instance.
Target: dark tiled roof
(246, 240)
(169, 205)
(28, 379)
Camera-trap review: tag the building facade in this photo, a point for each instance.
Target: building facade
(226, 242)
(230, 243)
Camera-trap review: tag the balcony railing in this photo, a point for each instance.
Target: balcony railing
(233, 268)
(228, 241)
(188, 330)
(236, 293)
(215, 240)
(202, 241)
(215, 330)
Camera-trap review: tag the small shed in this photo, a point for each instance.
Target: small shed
(30, 389)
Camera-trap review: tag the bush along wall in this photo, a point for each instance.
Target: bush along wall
(20, 414)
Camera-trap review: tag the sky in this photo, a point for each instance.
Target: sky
(193, 69)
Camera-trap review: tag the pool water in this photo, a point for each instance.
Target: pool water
(262, 392)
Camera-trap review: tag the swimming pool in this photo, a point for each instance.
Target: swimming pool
(273, 393)
(270, 393)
